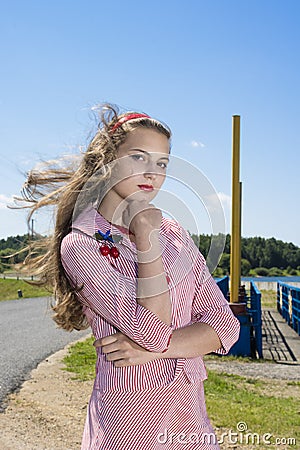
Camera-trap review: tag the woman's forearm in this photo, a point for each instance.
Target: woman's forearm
(192, 341)
(188, 342)
(152, 286)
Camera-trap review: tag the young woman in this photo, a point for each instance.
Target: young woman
(138, 280)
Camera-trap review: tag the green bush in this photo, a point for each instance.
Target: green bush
(219, 273)
(245, 267)
(261, 271)
(275, 272)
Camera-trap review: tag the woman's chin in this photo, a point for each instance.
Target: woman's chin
(142, 195)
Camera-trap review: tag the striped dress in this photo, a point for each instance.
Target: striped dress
(160, 404)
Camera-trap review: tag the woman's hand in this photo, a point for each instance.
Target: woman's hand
(124, 352)
(142, 217)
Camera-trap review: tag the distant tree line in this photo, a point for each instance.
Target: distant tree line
(260, 256)
(11, 246)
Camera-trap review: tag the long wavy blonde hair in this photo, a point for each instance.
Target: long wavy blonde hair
(59, 187)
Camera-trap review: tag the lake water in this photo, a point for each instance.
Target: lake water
(293, 279)
(269, 282)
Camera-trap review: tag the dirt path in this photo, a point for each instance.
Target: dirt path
(49, 411)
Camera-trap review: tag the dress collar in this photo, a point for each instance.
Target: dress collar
(90, 221)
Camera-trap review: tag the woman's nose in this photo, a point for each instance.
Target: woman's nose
(150, 175)
(150, 171)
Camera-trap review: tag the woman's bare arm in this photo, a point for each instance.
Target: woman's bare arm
(192, 341)
(187, 342)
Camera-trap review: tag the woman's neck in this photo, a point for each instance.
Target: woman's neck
(112, 208)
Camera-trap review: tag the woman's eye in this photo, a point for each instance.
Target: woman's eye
(137, 157)
(162, 165)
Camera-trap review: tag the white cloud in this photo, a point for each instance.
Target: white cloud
(225, 199)
(196, 144)
(5, 200)
(213, 201)
(60, 163)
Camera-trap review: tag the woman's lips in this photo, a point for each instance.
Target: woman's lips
(146, 187)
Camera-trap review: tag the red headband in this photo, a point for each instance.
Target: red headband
(126, 119)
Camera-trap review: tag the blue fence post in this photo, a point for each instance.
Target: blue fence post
(288, 304)
(250, 340)
(279, 298)
(255, 309)
(242, 347)
(296, 309)
(285, 304)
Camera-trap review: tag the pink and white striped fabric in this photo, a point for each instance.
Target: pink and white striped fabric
(139, 407)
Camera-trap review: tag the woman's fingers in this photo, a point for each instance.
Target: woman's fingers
(140, 214)
(112, 343)
(115, 356)
(122, 351)
(106, 340)
(111, 347)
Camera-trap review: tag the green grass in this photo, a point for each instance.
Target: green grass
(240, 359)
(9, 289)
(81, 360)
(294, 383)
(268, 298)
(230, 399)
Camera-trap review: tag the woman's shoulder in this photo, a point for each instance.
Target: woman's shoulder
(76, 239)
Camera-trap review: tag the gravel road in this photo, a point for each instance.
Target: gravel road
(27, 336)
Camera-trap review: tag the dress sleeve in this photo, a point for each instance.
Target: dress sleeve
(209, 305)
(111, 294)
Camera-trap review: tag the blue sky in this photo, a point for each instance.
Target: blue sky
(192, 64)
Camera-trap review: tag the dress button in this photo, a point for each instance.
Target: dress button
(168, 278)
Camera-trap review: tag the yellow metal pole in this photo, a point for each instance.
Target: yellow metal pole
(235, 253)
(240, 234)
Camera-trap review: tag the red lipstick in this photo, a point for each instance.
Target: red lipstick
(146, 187)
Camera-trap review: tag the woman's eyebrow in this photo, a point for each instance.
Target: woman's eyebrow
(147, 153)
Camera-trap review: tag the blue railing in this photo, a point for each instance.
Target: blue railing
(250, 340)
(288, 304)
